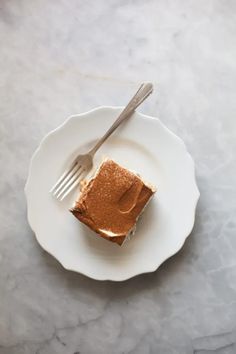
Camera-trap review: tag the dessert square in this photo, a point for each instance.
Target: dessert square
(112, 201)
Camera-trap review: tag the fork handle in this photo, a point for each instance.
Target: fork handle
(143, 92)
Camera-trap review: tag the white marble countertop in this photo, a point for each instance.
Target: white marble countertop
(63, 57)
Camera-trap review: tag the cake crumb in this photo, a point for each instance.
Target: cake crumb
(83, 184)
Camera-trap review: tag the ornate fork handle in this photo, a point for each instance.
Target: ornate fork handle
(143, 92)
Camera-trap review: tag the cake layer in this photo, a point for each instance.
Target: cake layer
(112, 201)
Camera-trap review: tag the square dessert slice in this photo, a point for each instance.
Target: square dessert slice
(112, 201)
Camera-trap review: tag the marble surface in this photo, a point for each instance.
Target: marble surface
(62, 57)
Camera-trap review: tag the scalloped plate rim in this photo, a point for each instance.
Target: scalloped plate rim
(82, 115)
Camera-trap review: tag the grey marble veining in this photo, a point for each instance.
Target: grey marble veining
(62, 57)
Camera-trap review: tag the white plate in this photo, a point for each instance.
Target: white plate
(142, 144)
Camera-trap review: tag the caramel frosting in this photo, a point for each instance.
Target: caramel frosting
(112, 201)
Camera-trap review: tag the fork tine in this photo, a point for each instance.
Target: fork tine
(70, 182)
(77, 181)
(54, 187)
(67, 179)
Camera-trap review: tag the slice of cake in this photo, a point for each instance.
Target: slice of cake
(112, 201)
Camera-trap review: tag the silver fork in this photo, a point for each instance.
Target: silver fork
(82, 164)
